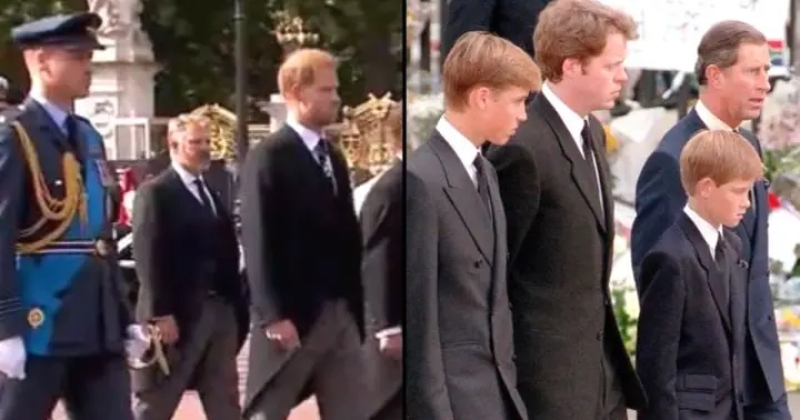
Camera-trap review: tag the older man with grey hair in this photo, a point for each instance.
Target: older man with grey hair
(187, 260)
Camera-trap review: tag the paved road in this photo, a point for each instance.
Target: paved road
(794, 407)
(191, 409)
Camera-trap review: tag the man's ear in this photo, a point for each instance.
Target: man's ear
(704, 187)
(294, 93)
(572, 67)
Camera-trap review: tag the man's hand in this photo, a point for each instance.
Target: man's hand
(390, 343)
(167, 329)
(284, 334)
(12, 358)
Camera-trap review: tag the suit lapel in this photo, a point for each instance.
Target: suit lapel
(604, 174)
(579, 170)
(738, 292)
(182, 190)
(500, 238)
(222, 211)
(759, 199)
(464, 196)
(713, 275)
(306, 157)
(341, 173)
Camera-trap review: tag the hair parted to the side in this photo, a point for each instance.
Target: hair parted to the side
(721, 155)
(481, 59)
(300, 68)
(576, 29)
(720, 45)
(179, 126)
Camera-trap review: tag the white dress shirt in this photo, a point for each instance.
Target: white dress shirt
(574, 124)
(58, 115)
(709, 233)
(188, 181)
(310, 137)
(464, 149)
(360, 192)
(711, 121)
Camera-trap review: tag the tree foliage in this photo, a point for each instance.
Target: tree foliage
(193, 42)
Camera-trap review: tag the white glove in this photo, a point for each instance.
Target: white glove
(388, 332)
(137, 343)
(390, 342)
(12, 358)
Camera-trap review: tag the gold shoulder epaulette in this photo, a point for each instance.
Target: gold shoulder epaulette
(51, 209)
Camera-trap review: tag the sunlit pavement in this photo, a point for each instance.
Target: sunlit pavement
(192, 409)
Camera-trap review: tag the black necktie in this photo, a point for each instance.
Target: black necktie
(203, 196)
(588, 157)
(323, 158)
(483, 187)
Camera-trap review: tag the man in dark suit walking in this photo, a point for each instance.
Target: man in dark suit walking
(303, 255)
(459, 350)
(187, 262)
(555, 184)
(732, 66)
(382, 217)
(690, 338)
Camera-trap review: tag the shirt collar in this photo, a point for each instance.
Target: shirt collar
(709, 233)
(711, 121)
(464, 149)
(309, 136)
(571, 119)
(58, 115)
(185, 175)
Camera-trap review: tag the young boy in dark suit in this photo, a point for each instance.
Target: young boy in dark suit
(692, 292)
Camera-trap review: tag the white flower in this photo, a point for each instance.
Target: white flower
(423, 113)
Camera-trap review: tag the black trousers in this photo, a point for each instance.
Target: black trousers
(393, 410)
(92, 388)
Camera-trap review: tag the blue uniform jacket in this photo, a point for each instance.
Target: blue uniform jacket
(64, 304)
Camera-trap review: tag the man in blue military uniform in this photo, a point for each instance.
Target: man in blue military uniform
(64, 325)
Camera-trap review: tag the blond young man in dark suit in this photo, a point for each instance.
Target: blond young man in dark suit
(459, 348)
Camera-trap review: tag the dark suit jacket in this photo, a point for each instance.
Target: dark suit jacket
(381, 220)
(513, 20)
(559, 268)
(302, 243)
(458, 338)
(182, 251)
(382, 216)
(659, 201)
(690, 339)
